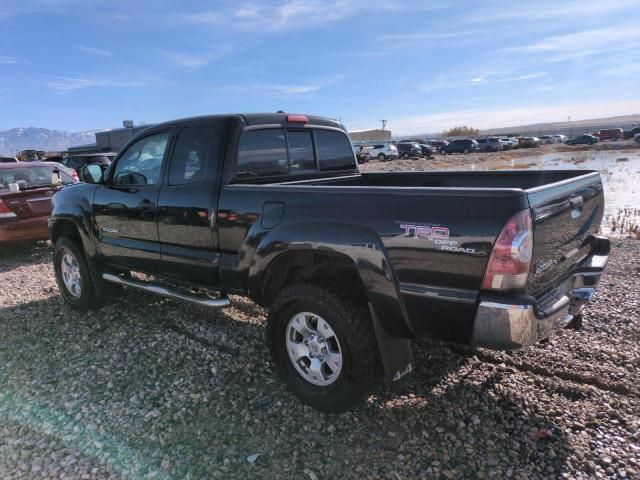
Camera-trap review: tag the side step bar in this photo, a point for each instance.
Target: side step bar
(165, 292)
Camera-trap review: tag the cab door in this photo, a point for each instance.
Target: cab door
(125, 206)
(188, 203)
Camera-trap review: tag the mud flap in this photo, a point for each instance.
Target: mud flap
(395, 353)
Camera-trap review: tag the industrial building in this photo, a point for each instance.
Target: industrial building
(377, 135)
(110, 140)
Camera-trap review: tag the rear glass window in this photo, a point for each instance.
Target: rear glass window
(301, 151)
(334, 150)
(27, 177)
(262, 153)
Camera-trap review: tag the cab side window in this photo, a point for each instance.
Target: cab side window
(141, 163)
(190, 154)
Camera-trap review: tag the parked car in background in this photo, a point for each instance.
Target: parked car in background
(437, 144)
(547, 139)
(76, 162)
(490, 144)
(631, 133)
(529, 142)
(9, 160)
(427, 150)
(463, 145)
(560, 138)
(382, 151)
(612, 134)
(24, 213)
(509, 143)
(585, 139)
(409, 150)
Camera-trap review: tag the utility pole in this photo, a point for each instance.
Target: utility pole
(384, 123)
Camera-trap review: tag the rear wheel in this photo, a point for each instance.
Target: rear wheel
(323, 346)
(73, 277)
(382, 157)
(466, 150)
(406, 156)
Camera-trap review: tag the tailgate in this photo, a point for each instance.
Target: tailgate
(565, 214)
(28, 203)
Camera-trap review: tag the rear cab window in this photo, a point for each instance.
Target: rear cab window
(276, 152)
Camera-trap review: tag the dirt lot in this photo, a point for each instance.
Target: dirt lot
(151, 388)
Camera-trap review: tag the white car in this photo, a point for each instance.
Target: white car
(508, 143)
(560, 138)
(548, 139)
(381, 151)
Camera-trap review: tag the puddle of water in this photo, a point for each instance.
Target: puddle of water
(620, 172)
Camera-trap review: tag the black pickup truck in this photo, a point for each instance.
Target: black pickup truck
(351, 266)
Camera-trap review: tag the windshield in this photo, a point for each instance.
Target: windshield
(29, 177)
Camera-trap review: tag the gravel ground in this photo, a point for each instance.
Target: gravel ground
(152, 388)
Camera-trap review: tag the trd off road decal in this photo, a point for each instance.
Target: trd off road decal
(438, 234)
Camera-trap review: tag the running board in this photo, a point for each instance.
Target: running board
(165, 292)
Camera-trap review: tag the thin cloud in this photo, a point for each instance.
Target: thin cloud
(280, 89)
(590, 41)
(422, 36)
(6, 60)
(194, 60)
(72, 84)
(547, 11)
(94, 51)
(269, 16)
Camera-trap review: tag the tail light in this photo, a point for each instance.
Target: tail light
(5, 212)
(510, 260)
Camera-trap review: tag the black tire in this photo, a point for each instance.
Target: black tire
(466, 150)
(382, 157)
(406, 156)
(361, 366)
(87, 298)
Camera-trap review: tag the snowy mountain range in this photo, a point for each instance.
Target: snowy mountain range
(16, 139)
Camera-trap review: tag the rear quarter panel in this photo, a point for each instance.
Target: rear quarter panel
(431, 274)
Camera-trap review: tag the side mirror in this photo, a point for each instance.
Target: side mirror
(91, 173)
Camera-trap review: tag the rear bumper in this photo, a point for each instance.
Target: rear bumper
(16, 230)
(509, 325)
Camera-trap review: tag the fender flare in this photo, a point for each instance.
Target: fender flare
(368, 254)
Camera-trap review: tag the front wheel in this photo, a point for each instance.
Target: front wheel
(323, 346)
(406, 156)
(466, 150)
(73, 277)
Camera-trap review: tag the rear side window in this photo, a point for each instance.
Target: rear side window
(301, 151)
(190, 155)
(262, 153)
(334, 150)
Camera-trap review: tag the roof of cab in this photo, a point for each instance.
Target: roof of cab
(258, 119)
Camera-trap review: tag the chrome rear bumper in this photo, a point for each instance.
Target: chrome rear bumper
(509, 326)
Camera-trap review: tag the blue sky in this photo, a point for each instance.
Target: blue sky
(423, 65)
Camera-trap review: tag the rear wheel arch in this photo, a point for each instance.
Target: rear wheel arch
(332, 270)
